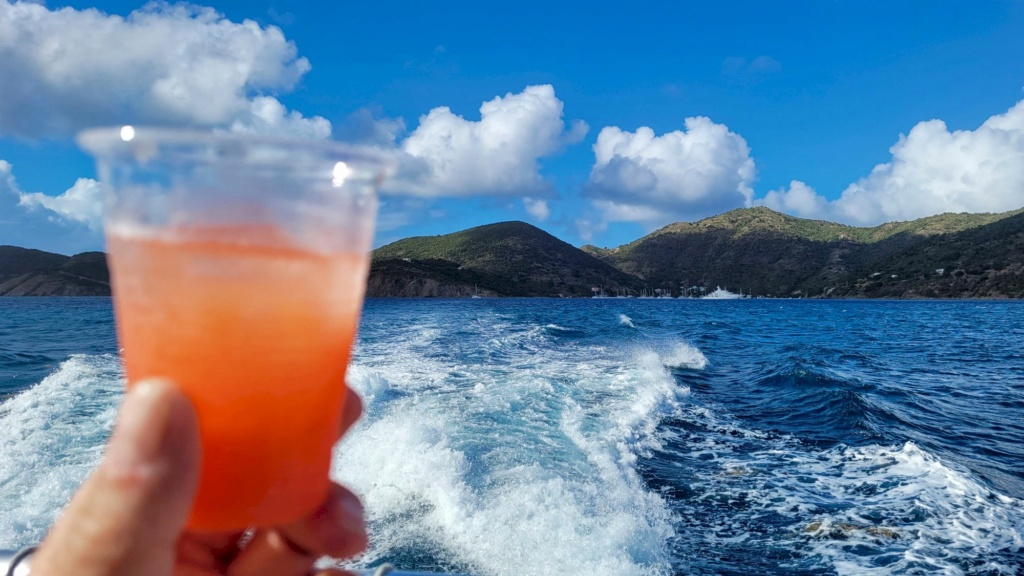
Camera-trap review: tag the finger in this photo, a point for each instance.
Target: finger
(272, 554)
(351, 412)
(212, 552)
(337, 528)
(127, 517)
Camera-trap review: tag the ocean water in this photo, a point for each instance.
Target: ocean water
(616, 437)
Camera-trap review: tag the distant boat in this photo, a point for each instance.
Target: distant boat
(722, 294)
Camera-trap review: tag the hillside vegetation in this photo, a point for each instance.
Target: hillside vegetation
(763, 252)
(980, 262)
(25, 272)
(756, 250)
(507, 259)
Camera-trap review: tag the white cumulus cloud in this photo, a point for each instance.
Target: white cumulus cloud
(65, 69)
(8, 190)
(82, 203)
(642, 177)
(448, 155)
(68, 223)
(364, 127)
(799, 200)
(932, 171)
(539, 209)
(268, 116)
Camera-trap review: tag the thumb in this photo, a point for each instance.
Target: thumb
(128, 515)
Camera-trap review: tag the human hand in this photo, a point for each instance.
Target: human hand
(128, 518)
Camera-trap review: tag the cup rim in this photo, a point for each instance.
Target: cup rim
(107, 141)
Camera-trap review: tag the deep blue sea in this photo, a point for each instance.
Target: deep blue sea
(616, 436)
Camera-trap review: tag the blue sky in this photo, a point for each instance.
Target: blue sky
(604, 121)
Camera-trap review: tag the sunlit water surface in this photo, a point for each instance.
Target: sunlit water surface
(615, 437)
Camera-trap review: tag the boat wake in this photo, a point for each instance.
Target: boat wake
(51, 437)
(504, 439)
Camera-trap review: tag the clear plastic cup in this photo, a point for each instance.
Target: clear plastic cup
(238, 266)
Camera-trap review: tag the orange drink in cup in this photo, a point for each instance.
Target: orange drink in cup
(238, 267)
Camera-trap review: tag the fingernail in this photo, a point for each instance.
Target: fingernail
(352, 513)
(140, 428)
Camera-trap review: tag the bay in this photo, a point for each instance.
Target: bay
(616, 436)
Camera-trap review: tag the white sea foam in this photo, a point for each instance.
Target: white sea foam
(520, 468)
(515, 450)
(858, 510)
(930, 512)
(369, 384)
(51, 437)
(683, 355)
(626, 321)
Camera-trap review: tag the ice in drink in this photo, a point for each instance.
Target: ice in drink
(257, 333)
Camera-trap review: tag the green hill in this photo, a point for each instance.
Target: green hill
(980, 262)
(763, 252)
(503, 259)
(15, 261)
(25, 272)
(756, 250)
